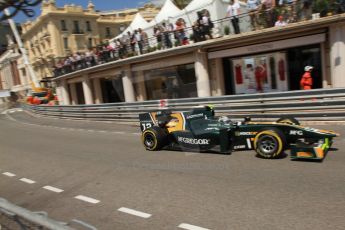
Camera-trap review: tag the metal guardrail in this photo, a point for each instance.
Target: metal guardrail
(318, 104)
(13, 217)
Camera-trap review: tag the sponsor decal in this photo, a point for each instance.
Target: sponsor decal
(240, 147)
(245, 133)
(195, 116)
(212, 128)
(296, 132)
(193, 141)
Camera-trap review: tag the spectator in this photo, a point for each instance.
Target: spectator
(233, 12)
(158, 34)
(138, 39)
(144, 39)
(197, 33)
(339, 6)
(166, 32)
(207, 25)
(252, 7)
(133, 40)
(179, 31)
(199, 27)
(280, 22)
(267, 10)
(305, 9)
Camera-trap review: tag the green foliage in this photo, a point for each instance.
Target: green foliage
(321, 6)
(181, 3)
(226, 30)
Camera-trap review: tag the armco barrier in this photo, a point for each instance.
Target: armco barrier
(317, 104)
(13, 217)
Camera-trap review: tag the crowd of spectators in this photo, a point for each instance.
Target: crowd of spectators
(262, 14)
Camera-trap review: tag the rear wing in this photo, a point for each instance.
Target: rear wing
(147, 120)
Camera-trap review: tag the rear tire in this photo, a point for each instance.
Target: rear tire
(154, 138)
(288, 120)
(270, 143)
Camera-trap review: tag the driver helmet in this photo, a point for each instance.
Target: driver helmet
(308, 68)
(224, 119)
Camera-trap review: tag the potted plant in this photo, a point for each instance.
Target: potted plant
(226, 30)
(321, 7)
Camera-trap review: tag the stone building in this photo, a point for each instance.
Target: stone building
(61, 31)
(223, 66)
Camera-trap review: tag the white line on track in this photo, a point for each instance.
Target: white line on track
(134, 212)
(87, 199)
(9, 174)
(26, 180)
(53, 189)
(191, 227)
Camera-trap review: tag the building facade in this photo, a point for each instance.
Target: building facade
(267, 60)
(13, 74)
(60, 32)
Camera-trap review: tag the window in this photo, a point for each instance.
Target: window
(65, 43)
(76, 26)
(63, 25)
(88, 26)
(90, 43)
(171, 82)
(107, 32)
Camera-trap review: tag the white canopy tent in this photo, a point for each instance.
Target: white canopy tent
(138, 22)
(168, 10)
(197, 4)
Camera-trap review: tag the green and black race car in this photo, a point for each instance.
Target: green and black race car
(201, 130)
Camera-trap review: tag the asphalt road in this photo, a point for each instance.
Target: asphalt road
(99, 173)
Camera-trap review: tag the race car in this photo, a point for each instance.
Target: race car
(200, 130)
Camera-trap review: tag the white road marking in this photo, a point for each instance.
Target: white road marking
(134, 212)
(9, 174)
(136, 134)
(119, 132)
(191, 227)
(87, 199)
(26, 180)
(53, 189)
(12, 111)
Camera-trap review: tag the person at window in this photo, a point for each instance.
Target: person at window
(306, 82)
(252, 7)
(233, 12)
(280, 22)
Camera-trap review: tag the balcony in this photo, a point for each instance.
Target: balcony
(78, 32)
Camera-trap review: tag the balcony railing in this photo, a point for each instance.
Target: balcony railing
(79, 32)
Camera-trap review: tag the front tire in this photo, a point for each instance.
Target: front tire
(154, 138)
(269, 143)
